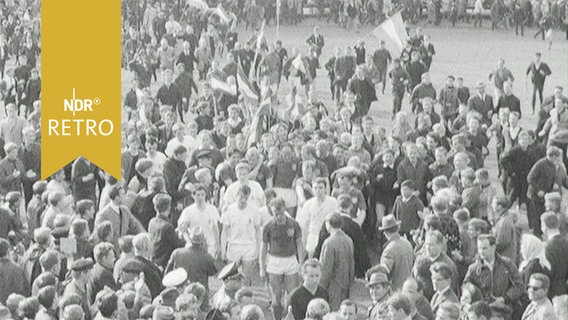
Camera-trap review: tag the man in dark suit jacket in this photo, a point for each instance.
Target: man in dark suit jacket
(101, 275)
(538, 72)
(353, 230)
(186, 57)
(413, 168)
(12, 279)
(508, 99)
(162, 230)
(316, 41)
(364, 91)
(143, 252)
(442, 275)
(556, 250)
(545, 176)
(482, 103)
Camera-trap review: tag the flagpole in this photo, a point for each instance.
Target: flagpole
(258, 45)
(278, 19)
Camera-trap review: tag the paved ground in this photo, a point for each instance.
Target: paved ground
(461, 51)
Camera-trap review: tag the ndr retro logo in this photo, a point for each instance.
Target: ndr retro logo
(85, 126)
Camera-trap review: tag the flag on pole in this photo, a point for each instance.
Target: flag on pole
(245, 86)
(260, 36)
(199, 4)
(256, 129)
(393, 28)
(218, 84)
(222, 14)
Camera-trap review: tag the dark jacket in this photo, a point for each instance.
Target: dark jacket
(165, 239)
(556, 250)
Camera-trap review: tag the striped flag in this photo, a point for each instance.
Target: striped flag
(245, 86)
(394, 29)
(256, 128)
(218, 84)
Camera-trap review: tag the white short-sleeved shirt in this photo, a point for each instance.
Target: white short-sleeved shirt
(312, 217)
(158, 161)
(241, 227)
(190, 143)
(256, 195)
(207, 219)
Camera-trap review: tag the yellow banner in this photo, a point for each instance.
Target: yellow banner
(81, 81)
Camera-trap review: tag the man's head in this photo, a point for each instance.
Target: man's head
(49, 262)
(116, 194)
(278, 208)
(441, 276)
(162, 203)
(400, 307)
(311, 272)
(242, 171)
(537, 57)
(448, 311)
(243, 195)
(348, 310)
(333, 222)
(538, 287)
(552, 201)
(378, 285)
(486, 247)
(425, 78)
(500, 205)
(143, 245)
(434, 243)
(549, 224)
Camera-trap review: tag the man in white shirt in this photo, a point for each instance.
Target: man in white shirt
(540, 307)
(181, 139)
(240, 237)
(204, 215)
(311, 216)
(158, 159)
(243, 173)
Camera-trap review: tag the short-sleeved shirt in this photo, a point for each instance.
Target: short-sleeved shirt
(241, 234)
(281, 238)
(206, 219)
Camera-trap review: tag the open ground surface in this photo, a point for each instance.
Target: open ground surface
(461, 51)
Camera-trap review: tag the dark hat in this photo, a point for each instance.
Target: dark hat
(163, 313)
(377, 278)
(82, 264)
(168, 296)
(175, 278)
(133, 266)
(389, 222)
(196, 236)
(229, 271)
(203, 154)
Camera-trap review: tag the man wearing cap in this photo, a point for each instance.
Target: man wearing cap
(11, 170)
(81, 275)
(243, 174)
(240, 236)
(193, 258)
(338, 262)
(279, 251)
(121, 218)
(482, 103)
(425, 89)
(398, 255)
(380, 290)
(9, 220)
(101, 276)
(12, 279)
(162, 231)
(204, 215)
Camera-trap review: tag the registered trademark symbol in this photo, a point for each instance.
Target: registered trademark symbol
(97, 101)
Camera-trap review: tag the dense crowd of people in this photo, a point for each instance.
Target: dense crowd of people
(221, 177)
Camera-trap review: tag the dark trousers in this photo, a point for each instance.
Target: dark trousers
(535, 209)
(521, 26)
(477, 20)
(536, 89)
(398, 95)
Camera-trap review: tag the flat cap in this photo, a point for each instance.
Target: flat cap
(175, 278)
(163, 313)
(229, 271)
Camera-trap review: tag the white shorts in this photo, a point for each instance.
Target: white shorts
(282, 265)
